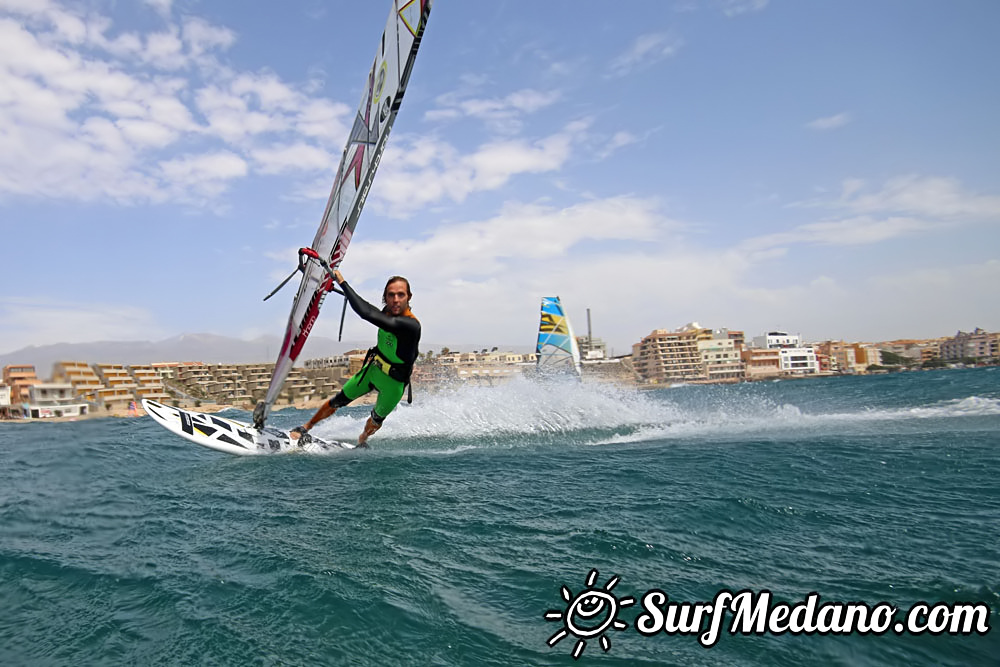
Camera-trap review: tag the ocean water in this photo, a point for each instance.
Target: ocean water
(450, 542)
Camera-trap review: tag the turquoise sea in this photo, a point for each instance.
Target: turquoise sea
(450, 541)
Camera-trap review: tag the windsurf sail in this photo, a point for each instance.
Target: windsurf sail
(557, 348)
(380, 103)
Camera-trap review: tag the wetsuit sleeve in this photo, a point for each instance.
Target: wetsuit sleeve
(402, 325)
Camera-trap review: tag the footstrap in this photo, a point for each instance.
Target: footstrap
(303, 432)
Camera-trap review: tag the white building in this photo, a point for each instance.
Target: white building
(336, 361)
(775, 339)
(5, 412)
(592, 348)
(52, 399)
(798, 360)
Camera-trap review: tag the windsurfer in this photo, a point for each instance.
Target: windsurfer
(387, 366)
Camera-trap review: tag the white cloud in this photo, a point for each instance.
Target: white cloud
(165, 50)
(646, 50)
(146, 133)
(850, 231)
(935, 197)
(943, 279)
(202, 37)
(162, 7)
(88, 116)
(296, 157)
(619, 140)
(904, 206)
(205, 175)
(733, 8)
(323, 120)
(519, 233)
(503, 114)
(830, 122)
(419, 171)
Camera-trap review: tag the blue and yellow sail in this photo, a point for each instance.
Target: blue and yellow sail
(557, 348)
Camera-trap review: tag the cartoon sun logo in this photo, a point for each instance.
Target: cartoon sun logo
(589, 614)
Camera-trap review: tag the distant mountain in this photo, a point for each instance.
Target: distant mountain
(204, 347)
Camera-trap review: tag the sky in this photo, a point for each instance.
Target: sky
(830, 169)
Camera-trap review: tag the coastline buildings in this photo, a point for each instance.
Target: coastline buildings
(694, 353)
(976, 345)
(691, 353)
(916, 351)
(849, 358)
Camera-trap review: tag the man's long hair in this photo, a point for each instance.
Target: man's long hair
(385, 290)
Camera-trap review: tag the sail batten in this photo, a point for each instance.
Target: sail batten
(557, 349)
(380, 102)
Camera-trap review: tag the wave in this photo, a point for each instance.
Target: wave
(522, 411)
(790, 420)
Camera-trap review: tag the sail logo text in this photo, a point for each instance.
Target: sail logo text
(595, 610)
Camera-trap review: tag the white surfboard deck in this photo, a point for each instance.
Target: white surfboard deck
(234, 437)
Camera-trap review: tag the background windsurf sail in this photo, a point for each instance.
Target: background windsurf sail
(380, 103)
(557, 348)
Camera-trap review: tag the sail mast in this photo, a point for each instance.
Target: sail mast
(380, 102)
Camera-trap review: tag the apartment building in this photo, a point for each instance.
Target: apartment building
(167, 370)
(81, 375)
(297, 387)
(326, 362)
(119, 386)
(850, 358)
(54, 399)
(592, 348)
(793, 358)
(720, 358)
(776, 339)
(668, 356)
(978, 345)
(149, 383)
(761, 363)
(20, 379)
(257, 378)
(798, 361)
(917, 351)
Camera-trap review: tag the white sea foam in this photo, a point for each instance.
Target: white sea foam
(786, 419)
(521, 406)
(521, 410)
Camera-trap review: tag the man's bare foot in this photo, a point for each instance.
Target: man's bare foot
(370, 427)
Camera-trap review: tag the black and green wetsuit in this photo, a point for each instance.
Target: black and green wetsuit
(389, 364)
